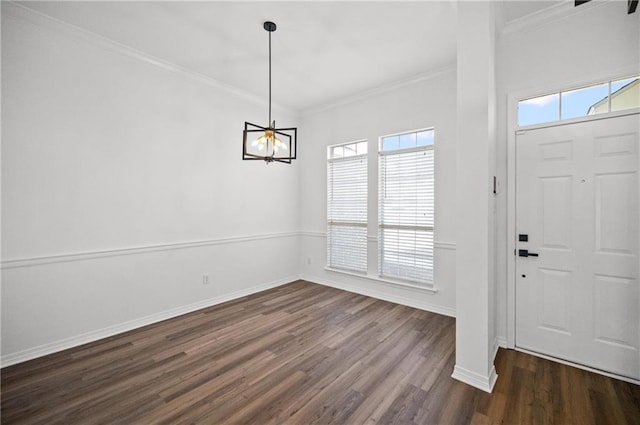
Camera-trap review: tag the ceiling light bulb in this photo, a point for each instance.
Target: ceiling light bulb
(280, 145)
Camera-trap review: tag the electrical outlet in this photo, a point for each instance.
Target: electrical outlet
(205, 279)
(308, 260)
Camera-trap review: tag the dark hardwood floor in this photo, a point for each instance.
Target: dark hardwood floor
(301, 354)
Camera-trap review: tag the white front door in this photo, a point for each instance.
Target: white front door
(577, 192)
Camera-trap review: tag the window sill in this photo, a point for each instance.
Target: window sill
(429, 289)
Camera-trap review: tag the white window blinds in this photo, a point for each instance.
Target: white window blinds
(347, 207)
(406, 207)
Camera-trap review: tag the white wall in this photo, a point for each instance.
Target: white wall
(422, 103)
(571, 46)
(122, 183)
(475, 270)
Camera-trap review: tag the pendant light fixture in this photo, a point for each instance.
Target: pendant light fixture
(269, 143)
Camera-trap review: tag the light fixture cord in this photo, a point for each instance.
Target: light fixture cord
(269, 79)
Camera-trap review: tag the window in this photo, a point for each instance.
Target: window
(598, 98)
(406, 207)
(347, 207)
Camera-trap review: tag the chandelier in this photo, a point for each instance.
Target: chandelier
(269, 144)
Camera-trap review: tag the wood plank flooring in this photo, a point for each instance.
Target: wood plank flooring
(301, 354)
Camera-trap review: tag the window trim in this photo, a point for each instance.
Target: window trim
(596, 117)
(560, 92)
(351, 224)
(353, 142)
(432, 288)
(405, 150)
(429, 285)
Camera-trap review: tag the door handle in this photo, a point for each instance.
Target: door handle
(526, 253)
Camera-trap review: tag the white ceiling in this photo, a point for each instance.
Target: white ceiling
(516, 9)
(322, 51)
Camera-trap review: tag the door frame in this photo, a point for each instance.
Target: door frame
(512, 129)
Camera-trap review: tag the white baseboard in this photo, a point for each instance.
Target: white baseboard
(485, 383)
(497, 343)
(64, 344)
(372, 292)
(500, 342)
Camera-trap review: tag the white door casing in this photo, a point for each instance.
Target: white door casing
(577, 193)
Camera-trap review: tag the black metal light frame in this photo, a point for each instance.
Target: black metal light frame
(632, 5)
(290, 141)
(288, 136)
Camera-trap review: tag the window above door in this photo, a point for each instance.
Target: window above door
(600, 98)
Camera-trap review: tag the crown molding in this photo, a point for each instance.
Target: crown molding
(21, 11)
(384, 88)
(549, 14)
